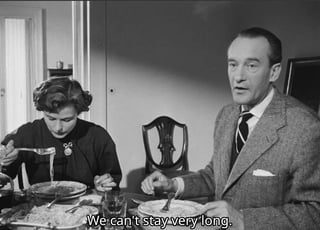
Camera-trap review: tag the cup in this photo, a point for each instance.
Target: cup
(114, 207)
(59, 64)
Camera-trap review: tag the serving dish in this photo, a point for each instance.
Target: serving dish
(178, 208)
(62, 198)
(64, 189)
(28, 217)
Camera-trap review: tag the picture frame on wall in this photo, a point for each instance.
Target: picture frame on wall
(303, 81)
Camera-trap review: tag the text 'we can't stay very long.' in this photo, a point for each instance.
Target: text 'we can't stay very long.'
(161, 222)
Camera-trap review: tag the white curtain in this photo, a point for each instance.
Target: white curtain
(16, 76)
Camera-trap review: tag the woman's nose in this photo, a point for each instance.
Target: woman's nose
(58, 126)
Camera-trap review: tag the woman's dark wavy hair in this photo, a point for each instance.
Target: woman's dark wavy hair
(55, 93)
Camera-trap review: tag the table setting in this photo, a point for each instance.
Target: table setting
(128, 211)
(51, 205)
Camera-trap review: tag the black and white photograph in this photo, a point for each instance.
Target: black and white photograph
(149, 115)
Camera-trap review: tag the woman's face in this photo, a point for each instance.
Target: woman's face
(62, 123)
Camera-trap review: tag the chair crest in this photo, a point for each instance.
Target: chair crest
(165, 127)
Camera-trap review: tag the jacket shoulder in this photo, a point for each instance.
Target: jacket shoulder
(295, 109)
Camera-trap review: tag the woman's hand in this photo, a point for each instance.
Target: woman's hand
(104, 182)
(8, 153)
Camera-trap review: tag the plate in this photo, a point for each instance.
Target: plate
(63, 188)
(178, 208)
(63, 198)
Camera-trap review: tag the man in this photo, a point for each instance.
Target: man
(265, 169)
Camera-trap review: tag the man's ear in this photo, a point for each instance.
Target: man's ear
(275, 72)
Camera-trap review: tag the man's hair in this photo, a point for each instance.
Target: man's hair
(53, 94)
(275, 55)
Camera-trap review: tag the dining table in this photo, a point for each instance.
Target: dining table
(133, 201)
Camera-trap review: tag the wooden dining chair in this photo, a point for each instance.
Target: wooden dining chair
(165, 127)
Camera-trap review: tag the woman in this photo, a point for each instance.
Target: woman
(85, 152)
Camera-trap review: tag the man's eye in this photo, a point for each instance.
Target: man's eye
(51, 119)
(232, 65)
(252, 67)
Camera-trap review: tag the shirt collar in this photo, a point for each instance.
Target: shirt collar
(258, 109)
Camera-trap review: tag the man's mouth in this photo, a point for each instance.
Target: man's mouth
(239, 89)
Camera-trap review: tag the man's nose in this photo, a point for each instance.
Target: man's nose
(239, 74)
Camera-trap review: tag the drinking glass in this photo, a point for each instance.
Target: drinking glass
(114, 205)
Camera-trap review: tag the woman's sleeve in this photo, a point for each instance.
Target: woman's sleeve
(108, 161)
(12, 169)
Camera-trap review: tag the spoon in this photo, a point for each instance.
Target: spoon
(81, 203)
(40, 151)
(167, 205)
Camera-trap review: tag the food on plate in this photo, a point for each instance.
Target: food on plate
(54, 216)
(52, 189)
(96, 199)
(178, 208)
(63, 188)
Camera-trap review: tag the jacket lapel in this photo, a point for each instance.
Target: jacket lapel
(223, 149)
(261, 139)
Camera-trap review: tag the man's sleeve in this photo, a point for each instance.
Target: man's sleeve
(200, 183)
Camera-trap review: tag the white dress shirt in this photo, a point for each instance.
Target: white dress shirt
(257, 112)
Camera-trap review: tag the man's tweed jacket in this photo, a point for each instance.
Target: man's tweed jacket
(286, 143)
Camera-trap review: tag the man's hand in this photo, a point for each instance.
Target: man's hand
(158, 181)
(104, 182)
(8, 154)
(223, 209)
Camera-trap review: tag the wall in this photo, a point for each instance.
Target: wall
(98, 62)
(58, 26)
(170, 58)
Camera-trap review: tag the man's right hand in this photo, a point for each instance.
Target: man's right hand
(157, 181)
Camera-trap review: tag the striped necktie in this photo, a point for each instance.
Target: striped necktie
(243, 130)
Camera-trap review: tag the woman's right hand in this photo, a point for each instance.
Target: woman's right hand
(8, 153)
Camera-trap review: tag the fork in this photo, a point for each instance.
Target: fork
(167, 205)
(81, 203)
(40, 151)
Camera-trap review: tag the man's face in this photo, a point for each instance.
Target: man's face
(249, 70)
(62, 123)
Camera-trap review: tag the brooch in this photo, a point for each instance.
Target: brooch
(67, 148)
